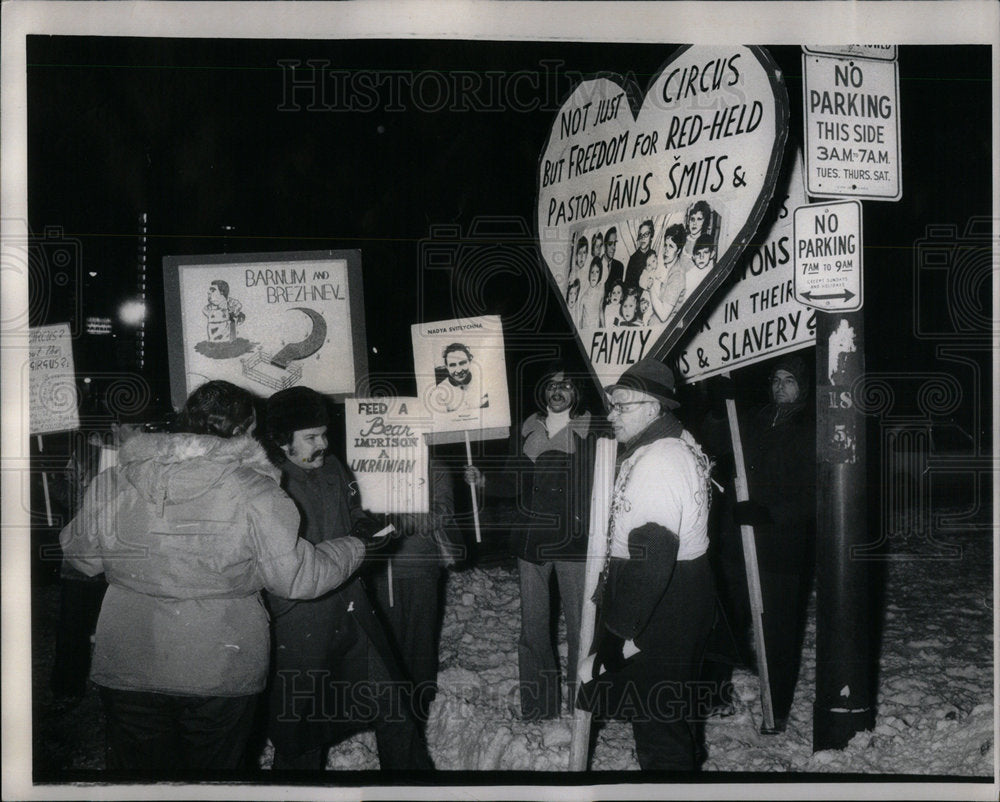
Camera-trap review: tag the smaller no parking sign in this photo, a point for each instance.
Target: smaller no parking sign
(827, 260)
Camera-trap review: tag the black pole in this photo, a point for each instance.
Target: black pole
(845, 696)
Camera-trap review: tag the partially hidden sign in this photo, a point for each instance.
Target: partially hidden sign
(646, 202)
(882, 52)
(756, 317)
(387, 452)
(827, 239)
(265, 321)
(51, 380)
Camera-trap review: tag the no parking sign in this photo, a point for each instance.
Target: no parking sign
(851, 127)
(828, 256)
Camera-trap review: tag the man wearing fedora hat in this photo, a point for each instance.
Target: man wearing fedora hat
(656, 594)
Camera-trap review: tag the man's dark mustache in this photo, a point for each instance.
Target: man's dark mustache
(315, 456)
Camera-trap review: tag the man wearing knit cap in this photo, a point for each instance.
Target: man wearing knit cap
(656, 594)
(334, 669)
(779, 446)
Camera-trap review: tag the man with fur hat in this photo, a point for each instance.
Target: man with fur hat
(656, 595)
(334, 670)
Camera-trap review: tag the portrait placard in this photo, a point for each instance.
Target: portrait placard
(462, 377)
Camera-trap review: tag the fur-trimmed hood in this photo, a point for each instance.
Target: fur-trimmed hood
(183, 467)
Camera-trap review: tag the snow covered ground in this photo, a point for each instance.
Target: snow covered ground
(936, 706)
(935, 700)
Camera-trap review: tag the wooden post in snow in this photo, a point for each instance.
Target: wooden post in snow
(753, 573)
(472, 490)
(600, 507)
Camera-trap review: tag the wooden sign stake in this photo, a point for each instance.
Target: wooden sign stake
(600, 506)
(472, 490)
(753, 573)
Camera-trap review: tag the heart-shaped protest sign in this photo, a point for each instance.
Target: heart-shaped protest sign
(642, 214)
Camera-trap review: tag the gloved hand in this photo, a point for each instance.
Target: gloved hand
(609, 653)
(750, 513)
(375, 547)
(720, 388)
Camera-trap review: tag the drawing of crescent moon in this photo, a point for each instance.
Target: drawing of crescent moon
(307, 347)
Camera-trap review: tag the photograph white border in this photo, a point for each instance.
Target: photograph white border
(959, 22)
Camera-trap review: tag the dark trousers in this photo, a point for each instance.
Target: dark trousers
(79, 606)
(362, 694)
(665, 745)
(784, 598)
(663, 700)
(734, 594)
(160, 732)
(537, 652)
(659, 690)
(414, 619)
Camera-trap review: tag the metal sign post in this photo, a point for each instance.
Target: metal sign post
(844, 671)
(828, 276)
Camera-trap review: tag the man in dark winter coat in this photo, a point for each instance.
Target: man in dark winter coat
(551, 479)
(410, 594)
(334, 670)
(656, 595)
(779, 450)
(779, 446)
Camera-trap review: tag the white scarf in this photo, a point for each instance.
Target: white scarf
(555, 422)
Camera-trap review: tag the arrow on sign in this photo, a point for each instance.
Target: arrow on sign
(846, 295)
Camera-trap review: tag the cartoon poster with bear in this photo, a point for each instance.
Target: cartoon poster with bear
(265, 322)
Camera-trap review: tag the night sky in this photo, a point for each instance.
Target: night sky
(204, 138)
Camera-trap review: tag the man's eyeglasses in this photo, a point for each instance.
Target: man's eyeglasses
(553, 386)
(620, 407)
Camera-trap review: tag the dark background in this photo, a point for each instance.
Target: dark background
(204, 138)
(192, 134)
